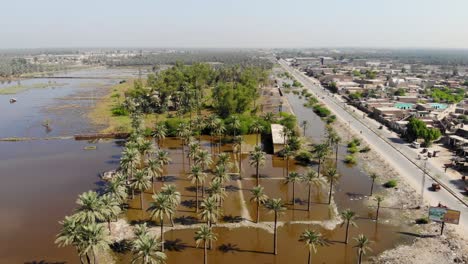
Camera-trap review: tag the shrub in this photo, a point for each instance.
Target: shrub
(331, 119)
(119, 111)
(422, 221)
(350, 159)
(172, 124)
(356, 141)
(321, 111)
(390, 184)
(352, 149)
(352, 144)
(365, 149)
(304, 157)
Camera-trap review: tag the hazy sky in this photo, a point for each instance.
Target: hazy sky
(238, 23)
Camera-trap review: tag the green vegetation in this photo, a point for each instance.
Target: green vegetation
(390, 184)
(355, 96)
(447, 95)
(321, 110)
(416, 129)
(400, 92)
(350, 159)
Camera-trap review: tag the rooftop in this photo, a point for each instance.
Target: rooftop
(277, 133)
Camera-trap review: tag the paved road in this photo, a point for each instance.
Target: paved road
(411, 172)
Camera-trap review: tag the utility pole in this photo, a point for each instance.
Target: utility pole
(423, 181)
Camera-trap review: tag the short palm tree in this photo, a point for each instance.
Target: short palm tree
(218, 192)
(160, 133)
(70, 235)
(235, 124)
(154, 170)
(89, 208)
(237, 147)
(145, 147)
(331, 174)
(321, 151)
(129, 160)
(362, 246)
(146, 251)
(198, 177)
(141, 182)
(94, 238)
(223, 159)
(257, 159)
(348, 218)
(174, 198)
(221, 175)
(287, 154)
(160, 207)
(141, 230)
(277, 207)
(257, 128)
(210, 212)
(110, 209)
(194, 148)
(204, 160)
(205, 235)
(163, 158)
(312, 178)
(379, 199)
(259, 197)
(117, 189)
(293, 178)
(333, 139)
(312, 239)
(373, 176)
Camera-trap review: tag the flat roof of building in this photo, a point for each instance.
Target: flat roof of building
(277, 133)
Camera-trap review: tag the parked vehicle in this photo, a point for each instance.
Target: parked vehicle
(415, 145)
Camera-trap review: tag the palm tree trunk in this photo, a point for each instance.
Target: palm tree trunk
(109, 225)
(152, 184)
(257, 139)
(336, 153)
(308, 199)
(88, 258)
(258, 211)
(377, 214)
(287, 166)
(210, 243)
(294, 194)
(330, 192)
(203, 190)
(94, 257)
(318, 167)
(360, 257)
(196, 197)
(171, 217)
(205, 254)
(347, 231)
(275, 250)
(219, 147)
(372, 187)
(240, 162)
(133, 193)
(141, 199)
(162, 234)
(309, 258)
(258, 176)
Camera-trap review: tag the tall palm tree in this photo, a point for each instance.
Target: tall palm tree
(205, 235)
(204, 160)
(210, 212)
(219, 130)
(174, 198)
(70, 235)
(257, 159)
(163, 158)
(259, 197)
(223, 159)
(235, 124)
(89, 208)
(212, 122)
(362, 246)
(312, 178)
(221, 175)
(277, 207)
(238, 148)
(154, 170)
(160, 132)
(141, 230)
(199, 125)
(312, 239)
(110, 209)
(129, 160)
(331, 174)
(321, 151)
(141, 182)
(94, 237)
(293, 178)
(194, 148)
(373, 176)
(379, 199)
(348, 217)
(218, 192)
(183, 132)
(116, 188)
(160, 207)
(198, 177)
(333, 139)
(145, 147)
(287, 154)
(257, 128)
(146, 251)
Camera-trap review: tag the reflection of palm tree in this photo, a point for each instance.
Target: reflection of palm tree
(362, 246)
(331, 174)
(312, 178)
(257, 159)
(205, 235)
(293, 178)
(312, 239)
(146, 250)
(161, 206)
(277, 207)
(348, 217)
(259, 197)
(197, 176)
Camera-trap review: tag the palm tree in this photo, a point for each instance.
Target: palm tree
(199, 125)
(312, 239)
(373, 176)
(161, 206)
(184, 133)
(154, 170)
(212, 122)
(194, 148)
(94, 237)
(348, 217)
(287, 153)
(141, 230)
(141, 182)
(210, 212)
(219, 130)
(116, 188)
(146, 251)
(197, 176)
(220, 175)
(69, 235)
(379, 199)
(217, 191)
(145, 147)
(89, 208)
(286, 132)
(174, 198)
(238, 147)
(160, 132)
(312, 178)
(277, 207)
(204, 160)
(235, 124)
(257, 159)
(257, 128)
(110, 209)
(163, 158)
(293, 178)
(269, 117)
(333, 139)
(130, 158)
(259, 197)
(362, 246)
(205, 235)
(223, 159)
(321, 152)
(331, 174)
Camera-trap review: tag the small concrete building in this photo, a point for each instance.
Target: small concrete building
(278, 138)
